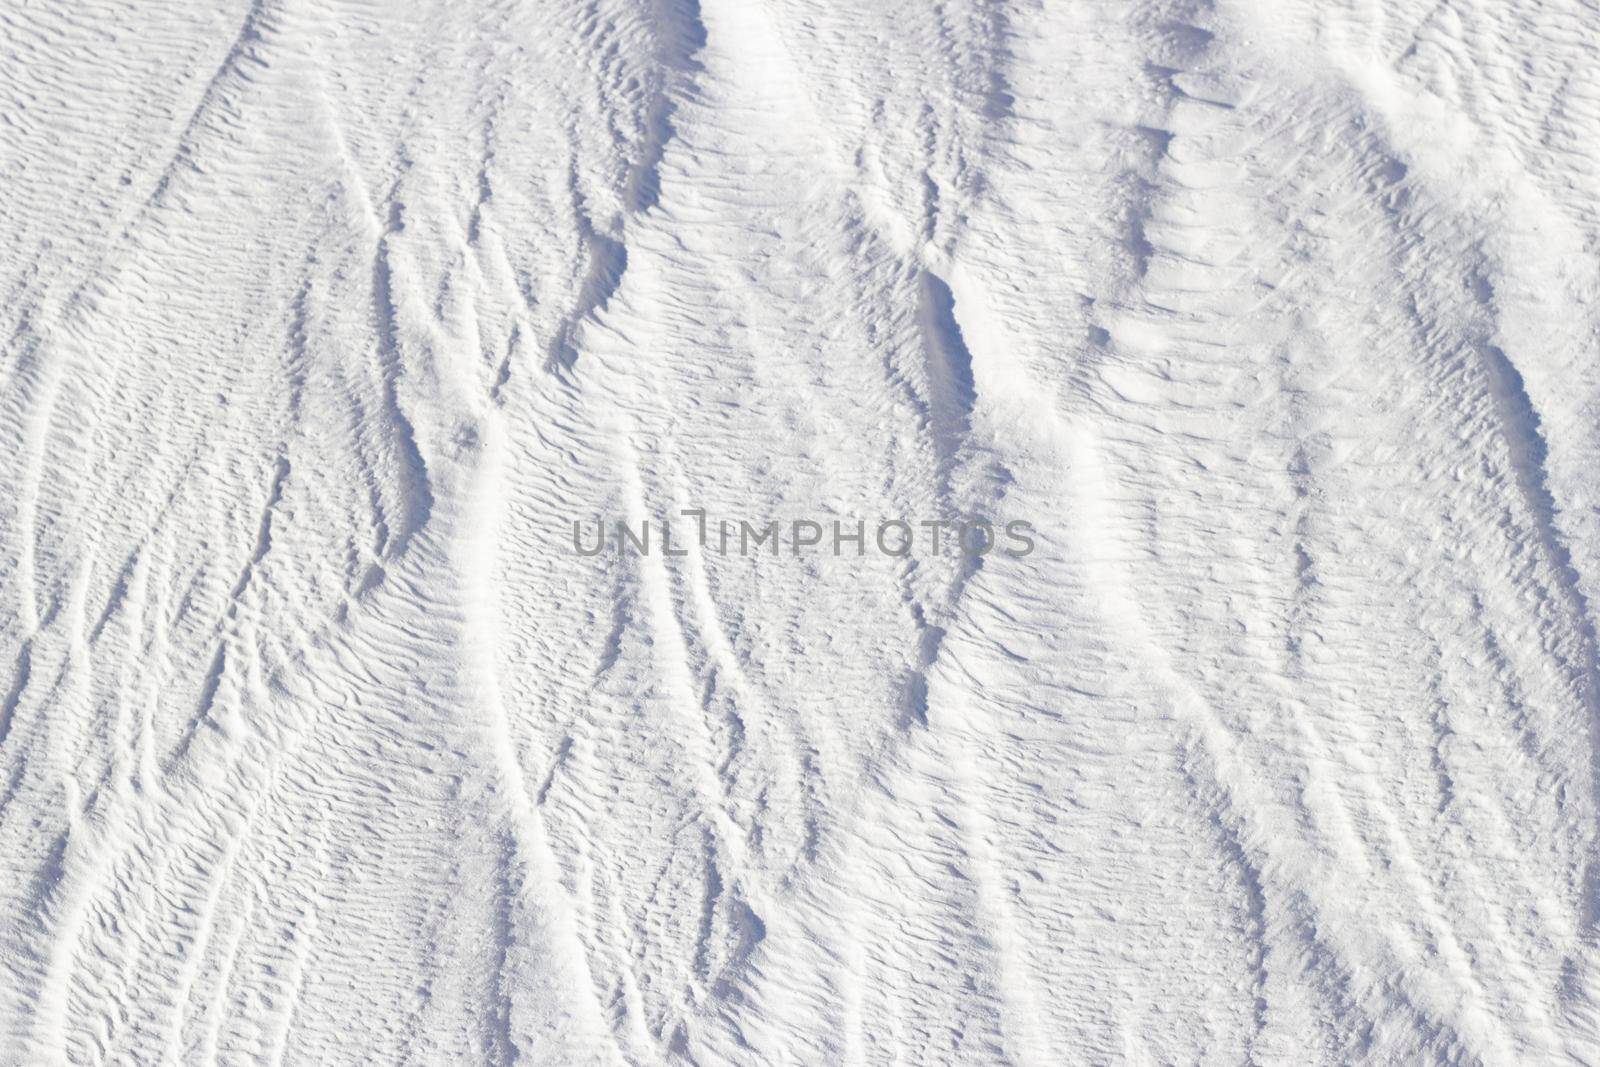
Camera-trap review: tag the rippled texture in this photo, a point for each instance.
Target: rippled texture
(322, 322)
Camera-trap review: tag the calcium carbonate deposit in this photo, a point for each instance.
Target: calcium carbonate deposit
(755, 532)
